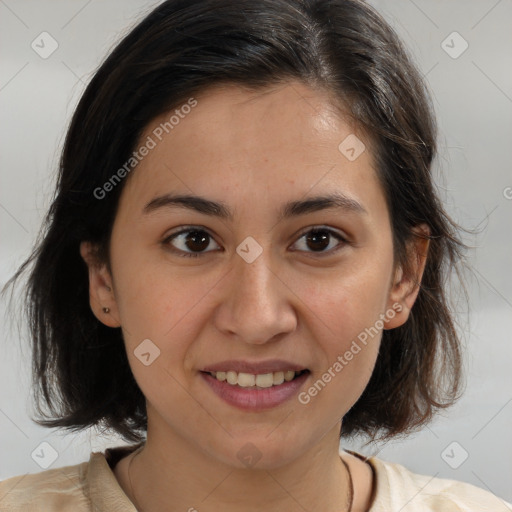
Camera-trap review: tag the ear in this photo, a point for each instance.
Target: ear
(404, 288)
(101, 289)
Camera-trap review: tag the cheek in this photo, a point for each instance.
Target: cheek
(348, 332)
(345, 314)
(165, 305)
(348, 299)
(347, 338)
(151, 295)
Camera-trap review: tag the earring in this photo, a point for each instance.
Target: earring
(106, 310)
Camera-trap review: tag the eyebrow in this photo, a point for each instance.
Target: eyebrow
(222, 211)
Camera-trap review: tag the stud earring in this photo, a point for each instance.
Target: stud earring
(106, 310)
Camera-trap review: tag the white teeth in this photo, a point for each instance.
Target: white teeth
(247, 380)
(266, 380)
(289, 375)
(279, 378)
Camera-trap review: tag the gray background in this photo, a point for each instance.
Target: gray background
(473, 100)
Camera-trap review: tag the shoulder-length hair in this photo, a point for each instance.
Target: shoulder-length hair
(344, 47)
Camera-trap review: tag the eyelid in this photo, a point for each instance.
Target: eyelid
(340, 236)
(182, 230)
(323, 227)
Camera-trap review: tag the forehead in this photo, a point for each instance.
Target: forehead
(271, 141)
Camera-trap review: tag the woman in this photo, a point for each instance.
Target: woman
(245, 260)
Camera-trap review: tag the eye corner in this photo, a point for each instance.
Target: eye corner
(168, 238)
(341, 237)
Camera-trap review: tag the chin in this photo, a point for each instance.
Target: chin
(260, 451)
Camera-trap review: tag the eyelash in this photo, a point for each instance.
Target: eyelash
(343, 241)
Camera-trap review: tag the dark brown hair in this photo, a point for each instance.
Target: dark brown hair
(183, 47)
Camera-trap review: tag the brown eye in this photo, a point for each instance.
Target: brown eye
(189, 242)
(322, 240)
(318, 240)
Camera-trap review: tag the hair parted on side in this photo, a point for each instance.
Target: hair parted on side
(183, 47)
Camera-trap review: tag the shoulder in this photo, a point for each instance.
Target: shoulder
(83, 487)
(397, 488)
(50, 490)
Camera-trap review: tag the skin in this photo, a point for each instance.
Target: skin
(253, 151)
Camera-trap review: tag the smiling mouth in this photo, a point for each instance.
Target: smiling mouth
(256, 381)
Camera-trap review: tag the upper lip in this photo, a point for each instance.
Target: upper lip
(255, 367)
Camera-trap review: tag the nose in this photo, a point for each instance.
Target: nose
(256, 306)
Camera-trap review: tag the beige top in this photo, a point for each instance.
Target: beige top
(92, 487)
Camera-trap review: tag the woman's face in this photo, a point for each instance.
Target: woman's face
(236, 281)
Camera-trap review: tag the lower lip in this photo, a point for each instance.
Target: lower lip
(255, 399)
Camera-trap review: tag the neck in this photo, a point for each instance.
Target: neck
(171, 475)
